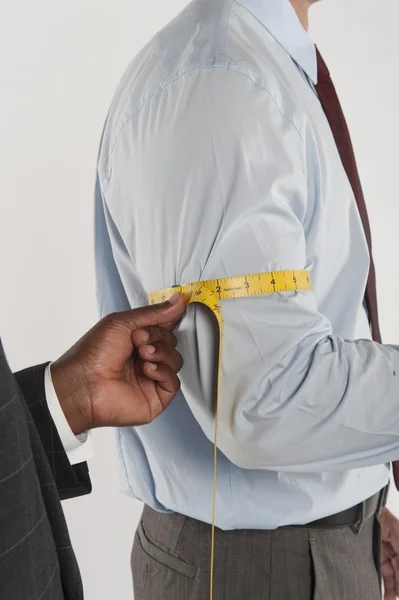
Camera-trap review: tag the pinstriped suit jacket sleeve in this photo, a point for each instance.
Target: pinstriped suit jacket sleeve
(71, 481)
(36, 556)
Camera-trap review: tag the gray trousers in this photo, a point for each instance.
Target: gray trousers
(171, 556)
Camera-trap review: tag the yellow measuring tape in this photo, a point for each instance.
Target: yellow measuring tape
(210, 293)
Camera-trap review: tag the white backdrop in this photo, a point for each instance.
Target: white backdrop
(59, 65)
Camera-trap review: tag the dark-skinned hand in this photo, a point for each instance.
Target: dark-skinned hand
(123, 371)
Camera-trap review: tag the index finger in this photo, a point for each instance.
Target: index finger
(154, 335)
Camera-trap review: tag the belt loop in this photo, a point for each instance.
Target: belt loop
(356, 528)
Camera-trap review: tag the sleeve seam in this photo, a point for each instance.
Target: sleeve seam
(163, 86)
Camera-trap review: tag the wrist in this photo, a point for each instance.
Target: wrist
(73, 394)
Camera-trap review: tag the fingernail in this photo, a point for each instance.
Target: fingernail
(174, 299)
(150, 349)
(145, 336)
(152, 367)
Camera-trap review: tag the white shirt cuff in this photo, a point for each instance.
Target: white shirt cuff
(78, 448)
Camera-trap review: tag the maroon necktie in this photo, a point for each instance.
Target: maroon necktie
(332, 108)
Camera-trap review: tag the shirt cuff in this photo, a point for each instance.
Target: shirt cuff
(77, 448)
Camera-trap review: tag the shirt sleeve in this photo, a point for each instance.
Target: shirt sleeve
(294, 395)
(78, 448)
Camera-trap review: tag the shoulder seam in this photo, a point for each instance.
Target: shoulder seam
(189, 70)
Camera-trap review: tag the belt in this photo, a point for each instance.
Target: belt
(353, 516)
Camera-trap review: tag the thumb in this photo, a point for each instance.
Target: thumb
(166, 314)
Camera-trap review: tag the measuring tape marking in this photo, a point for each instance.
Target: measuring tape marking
(240, 286)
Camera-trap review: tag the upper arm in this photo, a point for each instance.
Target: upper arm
(209, 181)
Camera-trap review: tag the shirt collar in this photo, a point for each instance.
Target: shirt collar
(280, 19)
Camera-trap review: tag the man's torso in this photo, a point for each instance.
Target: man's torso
(212, 46)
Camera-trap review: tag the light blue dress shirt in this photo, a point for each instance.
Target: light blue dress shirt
(217, 160)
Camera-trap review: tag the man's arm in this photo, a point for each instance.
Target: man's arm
(71, 480)
(295, 396)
